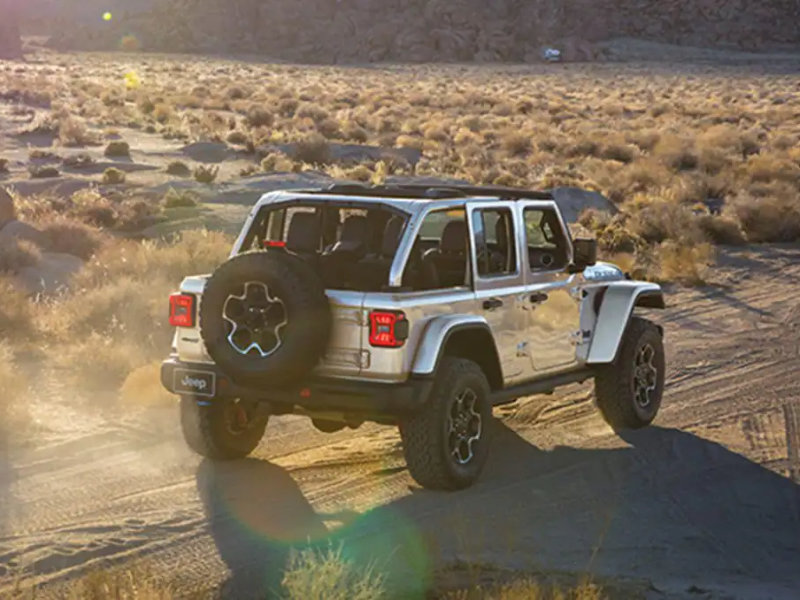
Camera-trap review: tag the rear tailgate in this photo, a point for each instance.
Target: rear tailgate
(345, 356)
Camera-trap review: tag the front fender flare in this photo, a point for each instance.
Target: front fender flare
(615, 312)
(435, 338)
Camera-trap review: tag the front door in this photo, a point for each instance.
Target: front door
(552, 297)
(499, 281)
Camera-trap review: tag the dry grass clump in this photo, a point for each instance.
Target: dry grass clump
(530, 589)
(17, 313)
(770, 219)
(326, 575)
(179, 169)
(179, 199)
(124, 285)
(313, 150)
(118, 149)
(113, 176)
(70, 236)
(204, 174)
(43, 171)
(72, 131)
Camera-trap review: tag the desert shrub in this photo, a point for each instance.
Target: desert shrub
(179, 199)
(276, 161)
(516, 143)
(676, 153)
(259, 117)
(766, 168)
(72, 131)
(312, 111)
(530, 589)
(112, 176)
(721, 230)
(329, 128)
(162, 112)
(287, 107)
(354, 133)
(237, 137)
(771, 219)
(359, 173)
(70, 236)
(43, 171)
(78, 161)
(16, 312)
(313, 150)
(327, 575)
(684, 263)
(118, 148)
(662, 220)
(179, 169)
(204, 174)
(17, 254)
(3, 165)
(236, 92)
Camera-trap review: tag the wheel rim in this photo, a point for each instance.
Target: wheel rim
(256, 319)
(645, 376)
(465, 426)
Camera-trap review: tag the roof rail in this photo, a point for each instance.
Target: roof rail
(433, 192)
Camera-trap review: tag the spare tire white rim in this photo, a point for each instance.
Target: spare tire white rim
(257, 319)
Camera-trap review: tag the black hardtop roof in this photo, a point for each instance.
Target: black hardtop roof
(430, 192)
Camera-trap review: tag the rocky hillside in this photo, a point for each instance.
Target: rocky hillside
(421, 30)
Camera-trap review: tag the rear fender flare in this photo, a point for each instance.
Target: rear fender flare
(619, 301)
(435, 338)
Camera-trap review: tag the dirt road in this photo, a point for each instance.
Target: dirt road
(696, 505)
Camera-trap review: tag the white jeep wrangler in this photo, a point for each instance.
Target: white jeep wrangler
(422, 307)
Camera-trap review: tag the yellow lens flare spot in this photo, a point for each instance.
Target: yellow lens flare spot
(107, 16)
(132, 80)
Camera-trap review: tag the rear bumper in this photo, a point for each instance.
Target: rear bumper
(360, 398)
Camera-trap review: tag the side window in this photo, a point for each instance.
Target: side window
(440, 255)
(547, 244)
(494, 242)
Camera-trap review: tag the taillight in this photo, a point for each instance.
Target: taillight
(181, 310)
(274, 244)
(387, 329)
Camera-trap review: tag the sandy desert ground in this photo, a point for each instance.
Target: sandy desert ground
(699, 506)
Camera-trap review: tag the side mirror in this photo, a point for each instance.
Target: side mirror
(585, 255)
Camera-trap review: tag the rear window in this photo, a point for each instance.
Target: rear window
(352, 247)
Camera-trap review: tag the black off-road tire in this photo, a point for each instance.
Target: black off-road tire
(615, 384)
(426, 437)
(304, 338)
(207, 429)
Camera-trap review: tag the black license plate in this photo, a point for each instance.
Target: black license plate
(197, 383)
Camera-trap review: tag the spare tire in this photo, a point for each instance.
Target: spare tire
(265, 318)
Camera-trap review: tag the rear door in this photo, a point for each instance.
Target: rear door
(499, 280)
(552, 298)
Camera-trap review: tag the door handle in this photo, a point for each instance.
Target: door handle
(538, 297)
(492, 303)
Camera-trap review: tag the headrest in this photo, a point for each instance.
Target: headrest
(353, 237)
(303, 235)
(454, 237)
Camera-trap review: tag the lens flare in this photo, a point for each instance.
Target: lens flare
(107, 16)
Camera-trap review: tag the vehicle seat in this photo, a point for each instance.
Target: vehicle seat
(339, 262)
(303, 235)
(499, 258)
(446, 266)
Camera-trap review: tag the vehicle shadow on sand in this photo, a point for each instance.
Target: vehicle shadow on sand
(671, 507)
